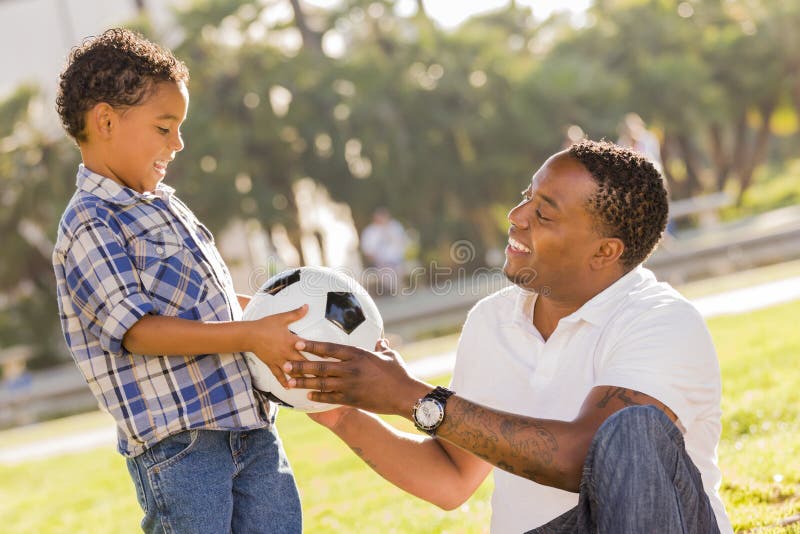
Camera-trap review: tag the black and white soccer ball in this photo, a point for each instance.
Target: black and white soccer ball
(339, 310)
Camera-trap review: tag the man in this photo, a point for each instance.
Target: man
(610, 371)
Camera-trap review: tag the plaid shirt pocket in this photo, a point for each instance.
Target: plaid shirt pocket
(167, 272)
(156, 247)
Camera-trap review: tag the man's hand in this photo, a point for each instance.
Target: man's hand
(375, 381)
(269, 338)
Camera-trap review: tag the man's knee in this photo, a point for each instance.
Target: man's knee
(639, 417)
(636, 430)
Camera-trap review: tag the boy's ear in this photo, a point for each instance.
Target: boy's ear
(101, 119)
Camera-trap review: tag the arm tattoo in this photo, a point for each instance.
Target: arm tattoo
(360, 453)
(618, 393)
(626, 396)
(541, 443)
(516, 447)
(475, 434)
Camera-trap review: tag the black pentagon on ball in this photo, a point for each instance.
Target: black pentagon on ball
(276, 400)
(343, 309)
(282, 281)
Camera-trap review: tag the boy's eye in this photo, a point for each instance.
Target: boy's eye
(164, 131)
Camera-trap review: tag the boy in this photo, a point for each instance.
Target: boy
(149, 311)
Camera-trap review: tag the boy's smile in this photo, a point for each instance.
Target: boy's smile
(139, 142)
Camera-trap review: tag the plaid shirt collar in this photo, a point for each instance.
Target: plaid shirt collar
(110, 191)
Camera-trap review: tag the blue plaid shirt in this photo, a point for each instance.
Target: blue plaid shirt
(119, 256)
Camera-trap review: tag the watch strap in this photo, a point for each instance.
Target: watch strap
(440, 393)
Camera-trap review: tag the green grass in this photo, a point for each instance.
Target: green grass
(91, 492)
(759, 451)
(760, 447)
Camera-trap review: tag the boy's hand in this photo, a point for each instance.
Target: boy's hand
(331, 418)
(273, 343)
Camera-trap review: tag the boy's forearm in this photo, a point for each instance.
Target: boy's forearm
(408, 461)
(244, 300)
(155, 335)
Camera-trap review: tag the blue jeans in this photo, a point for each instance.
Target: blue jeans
(637, 477)
(210, 481)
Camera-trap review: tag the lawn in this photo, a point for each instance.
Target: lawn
(90, 492)
(760, 447)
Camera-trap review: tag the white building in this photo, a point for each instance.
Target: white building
(37, 35)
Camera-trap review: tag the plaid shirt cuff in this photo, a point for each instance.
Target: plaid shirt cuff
(123, 316)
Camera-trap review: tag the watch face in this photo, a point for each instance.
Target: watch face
(429, 413)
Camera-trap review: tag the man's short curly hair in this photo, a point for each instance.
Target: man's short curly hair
(631, 199)
(119, 67)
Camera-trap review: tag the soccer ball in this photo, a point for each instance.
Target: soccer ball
(339, 310)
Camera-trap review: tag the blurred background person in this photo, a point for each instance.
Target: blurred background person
(384, 244)
(633, 133)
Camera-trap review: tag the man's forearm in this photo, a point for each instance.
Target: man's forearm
(155, 335)
(547, 451)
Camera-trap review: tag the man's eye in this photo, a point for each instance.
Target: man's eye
(540, 216)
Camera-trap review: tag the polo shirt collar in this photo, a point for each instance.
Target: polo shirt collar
(596, 310)
(599, 307)
(110, 191)
(523, 307)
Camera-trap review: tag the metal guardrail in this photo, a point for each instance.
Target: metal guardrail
(765, 239)
(46, 394)
(700, 205)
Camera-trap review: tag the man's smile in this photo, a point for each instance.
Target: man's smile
(517, 246)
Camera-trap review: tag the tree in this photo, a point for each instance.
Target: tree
(37, 176)
(443, 127)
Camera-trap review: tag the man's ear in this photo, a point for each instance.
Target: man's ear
(100, 120)
(608, 252)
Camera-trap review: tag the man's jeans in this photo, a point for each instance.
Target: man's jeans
(213, 481)
(638, 478)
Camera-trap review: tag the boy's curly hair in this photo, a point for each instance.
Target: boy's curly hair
(631, 199)
(119, 67)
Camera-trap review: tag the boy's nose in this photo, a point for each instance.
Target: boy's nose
(177, 143)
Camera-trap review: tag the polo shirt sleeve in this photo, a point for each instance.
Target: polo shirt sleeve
(103, 284)
(667, 353)
(467, 364)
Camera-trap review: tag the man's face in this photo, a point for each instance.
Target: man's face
(146, 137)
(552, 238)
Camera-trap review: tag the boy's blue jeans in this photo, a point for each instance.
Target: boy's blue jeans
(214, 481)
(637, 478)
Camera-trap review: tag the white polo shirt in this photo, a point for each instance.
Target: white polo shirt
(638, 334)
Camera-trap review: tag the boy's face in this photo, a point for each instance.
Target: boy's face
(143, 139)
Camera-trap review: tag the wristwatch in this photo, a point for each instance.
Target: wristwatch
(428, 411)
